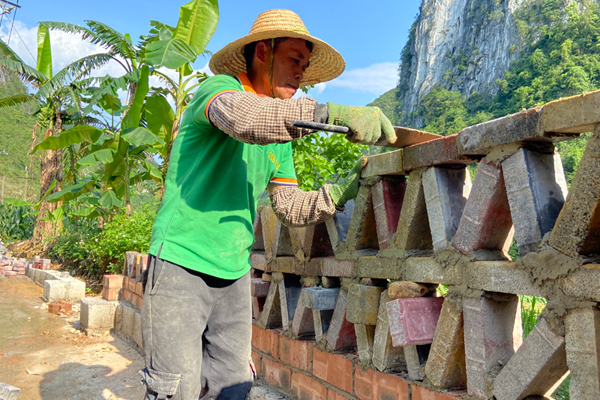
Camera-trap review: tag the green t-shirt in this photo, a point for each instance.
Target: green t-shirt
(205, 220)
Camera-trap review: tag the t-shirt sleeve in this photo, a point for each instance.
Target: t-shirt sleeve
(208, 91)
(285, 174)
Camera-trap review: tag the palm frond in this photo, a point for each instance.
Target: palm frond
(112, 39)
(17, 100)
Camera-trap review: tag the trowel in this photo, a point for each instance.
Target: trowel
(406, 136)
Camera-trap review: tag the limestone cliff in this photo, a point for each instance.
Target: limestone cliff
(464, 45)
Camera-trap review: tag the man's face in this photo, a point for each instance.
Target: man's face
(290, 60)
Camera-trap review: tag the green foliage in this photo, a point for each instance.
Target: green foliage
(321, 159)
(387, 103)
(531, 308)
(16, 222)
(571, 152)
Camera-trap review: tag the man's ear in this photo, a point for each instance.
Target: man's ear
(262, 52)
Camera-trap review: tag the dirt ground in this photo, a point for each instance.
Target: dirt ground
(48, 359)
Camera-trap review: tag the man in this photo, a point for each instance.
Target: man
(234, 141)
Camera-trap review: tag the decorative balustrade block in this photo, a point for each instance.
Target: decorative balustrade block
(259, 261)
(445, 367)
(446, 193)
(406, 289)
(269, 222)
(387, 196)
(486, 222)
(282, 242)
(524, 126)
(378, 267)
(270, 317)
(362, 235)
(365, 336)
(341, 334)
(584, 283)
(289, 295)
(316, 242)
(413, 321)
(363, 304)
(338, 227)
(428, 270)
(536, 188)
(319, 298)
(413, 231)
(501, 277)
(303, 323)
(141, 266)
(582, 342)
(385, 355)
(493, 332)
(572, 115)
(130, 261)
(259, 288)
(259, 241)
(416, 357)
(388, 163)
(322, 319)
(435, 152)
(537, 368)
(336, 268)
(577, 229)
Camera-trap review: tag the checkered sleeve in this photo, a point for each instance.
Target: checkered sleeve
(297, 208)
(260, 120)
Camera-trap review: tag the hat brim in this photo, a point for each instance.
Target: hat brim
(325, 62)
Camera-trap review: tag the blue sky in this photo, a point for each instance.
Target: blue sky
(370, 36)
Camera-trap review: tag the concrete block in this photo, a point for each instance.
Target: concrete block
(270, 317)
(445, 367)
(388, 163)
(259, 288)
(321, 319)
(282, 243)
(413, 321)
(428, 270)
(362, 235)
(502, 277)
(74, 289)
(377, 267)
(286, 265)
(341, 333)
(336, 268)
(387, 195)
(577, 229)
(413, 225)
(572, 115)
(319, 298)
(259, 241)
(416, 357)
(406, 289)
(8, 392)
(386, 357)
(128, 320)
(446, 193)
(435, 152)
(55, 290)
(119, 318)
(536, 368)
(365, 335)
(137, 329)
(303, 323)
(479, 139)
(363, 304)
(338, 226)
(493, 332)
(97, 314)
(583, 283)
(486, 222)
(269, 221)
(316, 242)
(289, 296)
(582, 342)
(536, 189)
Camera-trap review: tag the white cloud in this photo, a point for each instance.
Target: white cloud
(376, 78)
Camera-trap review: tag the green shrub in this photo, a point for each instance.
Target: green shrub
(16, 223)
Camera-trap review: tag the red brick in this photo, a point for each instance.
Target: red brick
(333, 395)
(296, 353)
(388, 195)
(276, 374)
(307, 388)
(333, 368)
(256, 362)
(265, 340)
(435, 152)
(137, 301)
(486, 222)
(111, 294)
(113, 281)
(341, 333)
(57, 307)
(413, 321)
(127, 295)
(131, 285)
(139, 289)
(420, 393)
(259, 288)
(374, 385)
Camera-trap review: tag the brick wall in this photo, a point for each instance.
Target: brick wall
(302, 369)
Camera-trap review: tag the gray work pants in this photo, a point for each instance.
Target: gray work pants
(196, 331)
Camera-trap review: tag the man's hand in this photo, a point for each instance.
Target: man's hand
(347, 189)
(367, 125)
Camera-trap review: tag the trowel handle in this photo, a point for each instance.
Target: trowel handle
(320, 127)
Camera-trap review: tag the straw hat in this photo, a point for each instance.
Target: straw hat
(325, 62)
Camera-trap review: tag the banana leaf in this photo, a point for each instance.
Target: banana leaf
(44, 52)
(170, 53)
(197, 23)
(101, 156)
(77, 134)
(141, 136)
(72, 192)
(132, 119)
(109, 200)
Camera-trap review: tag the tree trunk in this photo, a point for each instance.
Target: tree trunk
(50, 170)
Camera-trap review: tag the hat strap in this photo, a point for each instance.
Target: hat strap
(271, 67)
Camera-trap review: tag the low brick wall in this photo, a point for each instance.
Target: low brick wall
(302, 369)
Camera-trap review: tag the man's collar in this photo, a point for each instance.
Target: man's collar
(245, 81)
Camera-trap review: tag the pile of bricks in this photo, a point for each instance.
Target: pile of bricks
(127, 287)
(363, 283)
(10, 266)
